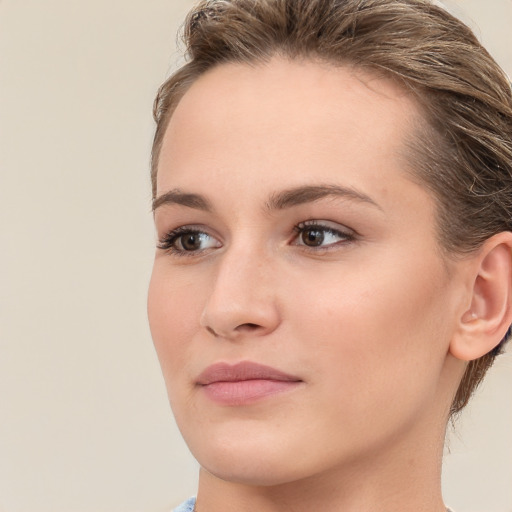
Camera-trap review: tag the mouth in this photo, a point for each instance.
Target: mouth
(244, 383)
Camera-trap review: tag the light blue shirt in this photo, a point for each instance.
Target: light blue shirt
(187, 506)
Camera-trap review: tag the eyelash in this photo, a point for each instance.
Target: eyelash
(347, 235)
(169, 240)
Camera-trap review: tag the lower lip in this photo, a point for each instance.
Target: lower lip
(246, 391)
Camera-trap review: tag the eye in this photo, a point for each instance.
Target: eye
(187, 240)
(315, 234)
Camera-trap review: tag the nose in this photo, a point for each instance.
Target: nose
(242, 301)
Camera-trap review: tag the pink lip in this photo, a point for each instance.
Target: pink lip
(244, 382)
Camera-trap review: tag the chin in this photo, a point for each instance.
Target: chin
(247, 460)
(257, 472)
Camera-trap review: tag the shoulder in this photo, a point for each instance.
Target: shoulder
(186, 506)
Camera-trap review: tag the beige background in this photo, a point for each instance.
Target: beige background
(84, 420)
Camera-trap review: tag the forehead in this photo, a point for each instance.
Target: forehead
(287, 117)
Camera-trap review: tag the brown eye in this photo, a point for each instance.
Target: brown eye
(313, 237)
(185, 240)
(190, 241)
(319, 236)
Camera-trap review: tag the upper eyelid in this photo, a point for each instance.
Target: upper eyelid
(188, 228)
(201, 228)
(180, 230)
(328, 226)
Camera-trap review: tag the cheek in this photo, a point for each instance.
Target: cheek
(173, 312)
(380, 332)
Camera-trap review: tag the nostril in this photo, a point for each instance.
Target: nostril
(248, 327)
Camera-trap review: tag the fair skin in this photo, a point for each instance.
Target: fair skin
(342, 286)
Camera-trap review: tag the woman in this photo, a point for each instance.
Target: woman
(332, 198)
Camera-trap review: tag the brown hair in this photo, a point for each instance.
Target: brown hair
(463, 153)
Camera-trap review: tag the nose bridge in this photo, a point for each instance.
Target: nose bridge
(242, 295)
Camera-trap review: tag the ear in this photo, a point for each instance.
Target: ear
(485, 322)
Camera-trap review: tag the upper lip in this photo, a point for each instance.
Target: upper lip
(245, 370)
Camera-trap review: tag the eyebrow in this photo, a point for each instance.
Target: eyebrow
(278, 201)
(308, 194)
(176, 196)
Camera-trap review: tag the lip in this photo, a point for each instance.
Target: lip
(244, 383)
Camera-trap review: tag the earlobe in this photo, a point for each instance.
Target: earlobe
(485, 322)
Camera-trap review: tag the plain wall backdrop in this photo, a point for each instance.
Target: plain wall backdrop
(84, 420)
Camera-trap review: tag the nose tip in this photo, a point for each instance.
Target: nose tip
(242, 301)
(229, 323)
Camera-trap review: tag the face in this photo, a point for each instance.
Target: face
(299, 304)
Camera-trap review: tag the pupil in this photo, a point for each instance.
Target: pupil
(190, 242)
(313, 237)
